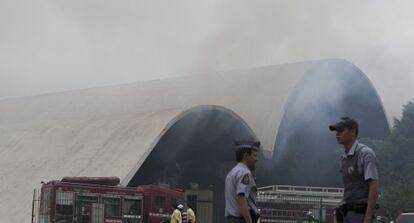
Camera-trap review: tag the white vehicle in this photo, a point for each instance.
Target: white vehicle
(407, 217)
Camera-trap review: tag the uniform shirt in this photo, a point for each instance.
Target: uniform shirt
(239, 181)
(176, 216)
(367, 160)
(191, 215)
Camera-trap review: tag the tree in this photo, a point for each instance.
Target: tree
(396, 162)
(398, 195)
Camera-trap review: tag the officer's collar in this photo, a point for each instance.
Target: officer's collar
(351, 152)
(243, 165)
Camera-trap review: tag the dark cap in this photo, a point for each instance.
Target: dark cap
(247, 144)
(345, 122)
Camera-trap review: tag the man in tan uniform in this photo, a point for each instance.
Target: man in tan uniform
(176, 215)
(191, 215)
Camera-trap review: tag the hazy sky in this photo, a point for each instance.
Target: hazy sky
(58, 45)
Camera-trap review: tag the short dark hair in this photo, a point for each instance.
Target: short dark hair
(243, 147)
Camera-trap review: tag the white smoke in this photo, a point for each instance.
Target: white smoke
(57, 45)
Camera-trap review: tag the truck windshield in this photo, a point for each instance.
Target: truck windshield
(64, 206)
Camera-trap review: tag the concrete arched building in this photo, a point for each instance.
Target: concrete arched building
(126, 130)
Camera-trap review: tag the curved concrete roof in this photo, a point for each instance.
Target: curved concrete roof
(95, 131)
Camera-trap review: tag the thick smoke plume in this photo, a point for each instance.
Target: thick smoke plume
(306, 151)
(199, 148)
(51, 45)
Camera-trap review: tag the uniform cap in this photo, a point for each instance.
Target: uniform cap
(345, 122)
(247, 144)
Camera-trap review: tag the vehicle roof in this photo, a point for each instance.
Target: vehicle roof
(94, 187)
(155, 188)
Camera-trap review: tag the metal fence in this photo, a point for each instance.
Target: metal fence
(293, 204)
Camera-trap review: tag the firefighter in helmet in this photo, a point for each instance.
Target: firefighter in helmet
(176, 215)
(190, 214)
(311, 218)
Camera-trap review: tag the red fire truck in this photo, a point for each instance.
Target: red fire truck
(102, 200)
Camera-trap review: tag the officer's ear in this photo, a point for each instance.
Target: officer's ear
(354, 131)
(246, 154)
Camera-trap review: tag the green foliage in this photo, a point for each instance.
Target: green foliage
(398, 195)
(396, 162)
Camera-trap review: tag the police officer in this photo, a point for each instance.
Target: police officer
(359, 174)
(240, 185)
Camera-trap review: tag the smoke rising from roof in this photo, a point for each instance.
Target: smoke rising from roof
(199, 146)
(306, 151)
(51, 46)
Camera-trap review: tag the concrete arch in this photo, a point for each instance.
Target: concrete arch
(323, 95)
(340, 89)
(95, 131)
(197, 146)
(198, 114)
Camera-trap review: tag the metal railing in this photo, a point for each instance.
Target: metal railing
(285, 204)
(303, 190)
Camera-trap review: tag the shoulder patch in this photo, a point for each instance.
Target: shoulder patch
(246, 179)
